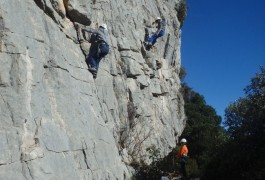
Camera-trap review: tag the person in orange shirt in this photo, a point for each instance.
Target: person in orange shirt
(183, 154)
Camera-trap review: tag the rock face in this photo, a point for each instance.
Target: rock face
(56, 121)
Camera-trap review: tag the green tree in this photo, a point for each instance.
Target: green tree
(203, 128)
(245, 120)
(243, 155)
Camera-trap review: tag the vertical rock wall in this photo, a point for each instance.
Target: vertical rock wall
(56, 121)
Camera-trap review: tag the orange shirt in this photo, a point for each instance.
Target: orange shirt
(183, 151)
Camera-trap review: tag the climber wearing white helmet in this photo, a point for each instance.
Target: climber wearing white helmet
(183, 154)
(99, 48)
(104, 26)
(161, 27)
(183, 140)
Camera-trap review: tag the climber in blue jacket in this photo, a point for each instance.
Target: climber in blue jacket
(161, 27)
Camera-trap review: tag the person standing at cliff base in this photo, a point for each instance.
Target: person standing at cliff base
(99, 48)
(183, 155)
(161, 27)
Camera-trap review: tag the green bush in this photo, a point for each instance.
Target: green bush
(192, 168)
(159, 167)
(181, 9)
(182, 73)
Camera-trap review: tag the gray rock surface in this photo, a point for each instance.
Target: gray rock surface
(56, 121)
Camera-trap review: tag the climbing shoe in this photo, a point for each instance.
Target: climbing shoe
(148, 45)
(146, 36)
(146, 31)
(91, 69)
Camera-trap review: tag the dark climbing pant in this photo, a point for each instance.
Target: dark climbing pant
(96, 53)
(183, 167)
(154, 37)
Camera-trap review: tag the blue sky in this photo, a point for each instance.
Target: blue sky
(223, 45)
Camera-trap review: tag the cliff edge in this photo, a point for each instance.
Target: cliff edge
(56, 121)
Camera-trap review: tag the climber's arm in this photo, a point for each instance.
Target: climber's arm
(88, 29)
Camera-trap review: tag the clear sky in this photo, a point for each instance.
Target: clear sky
(223, 45)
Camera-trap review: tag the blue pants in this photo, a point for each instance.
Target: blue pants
(96, 53)
(154, 37)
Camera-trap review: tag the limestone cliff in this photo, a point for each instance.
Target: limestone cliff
(56, 121)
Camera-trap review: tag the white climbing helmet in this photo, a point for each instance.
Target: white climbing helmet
(183, 140)
(104, 26)
(158, 18)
